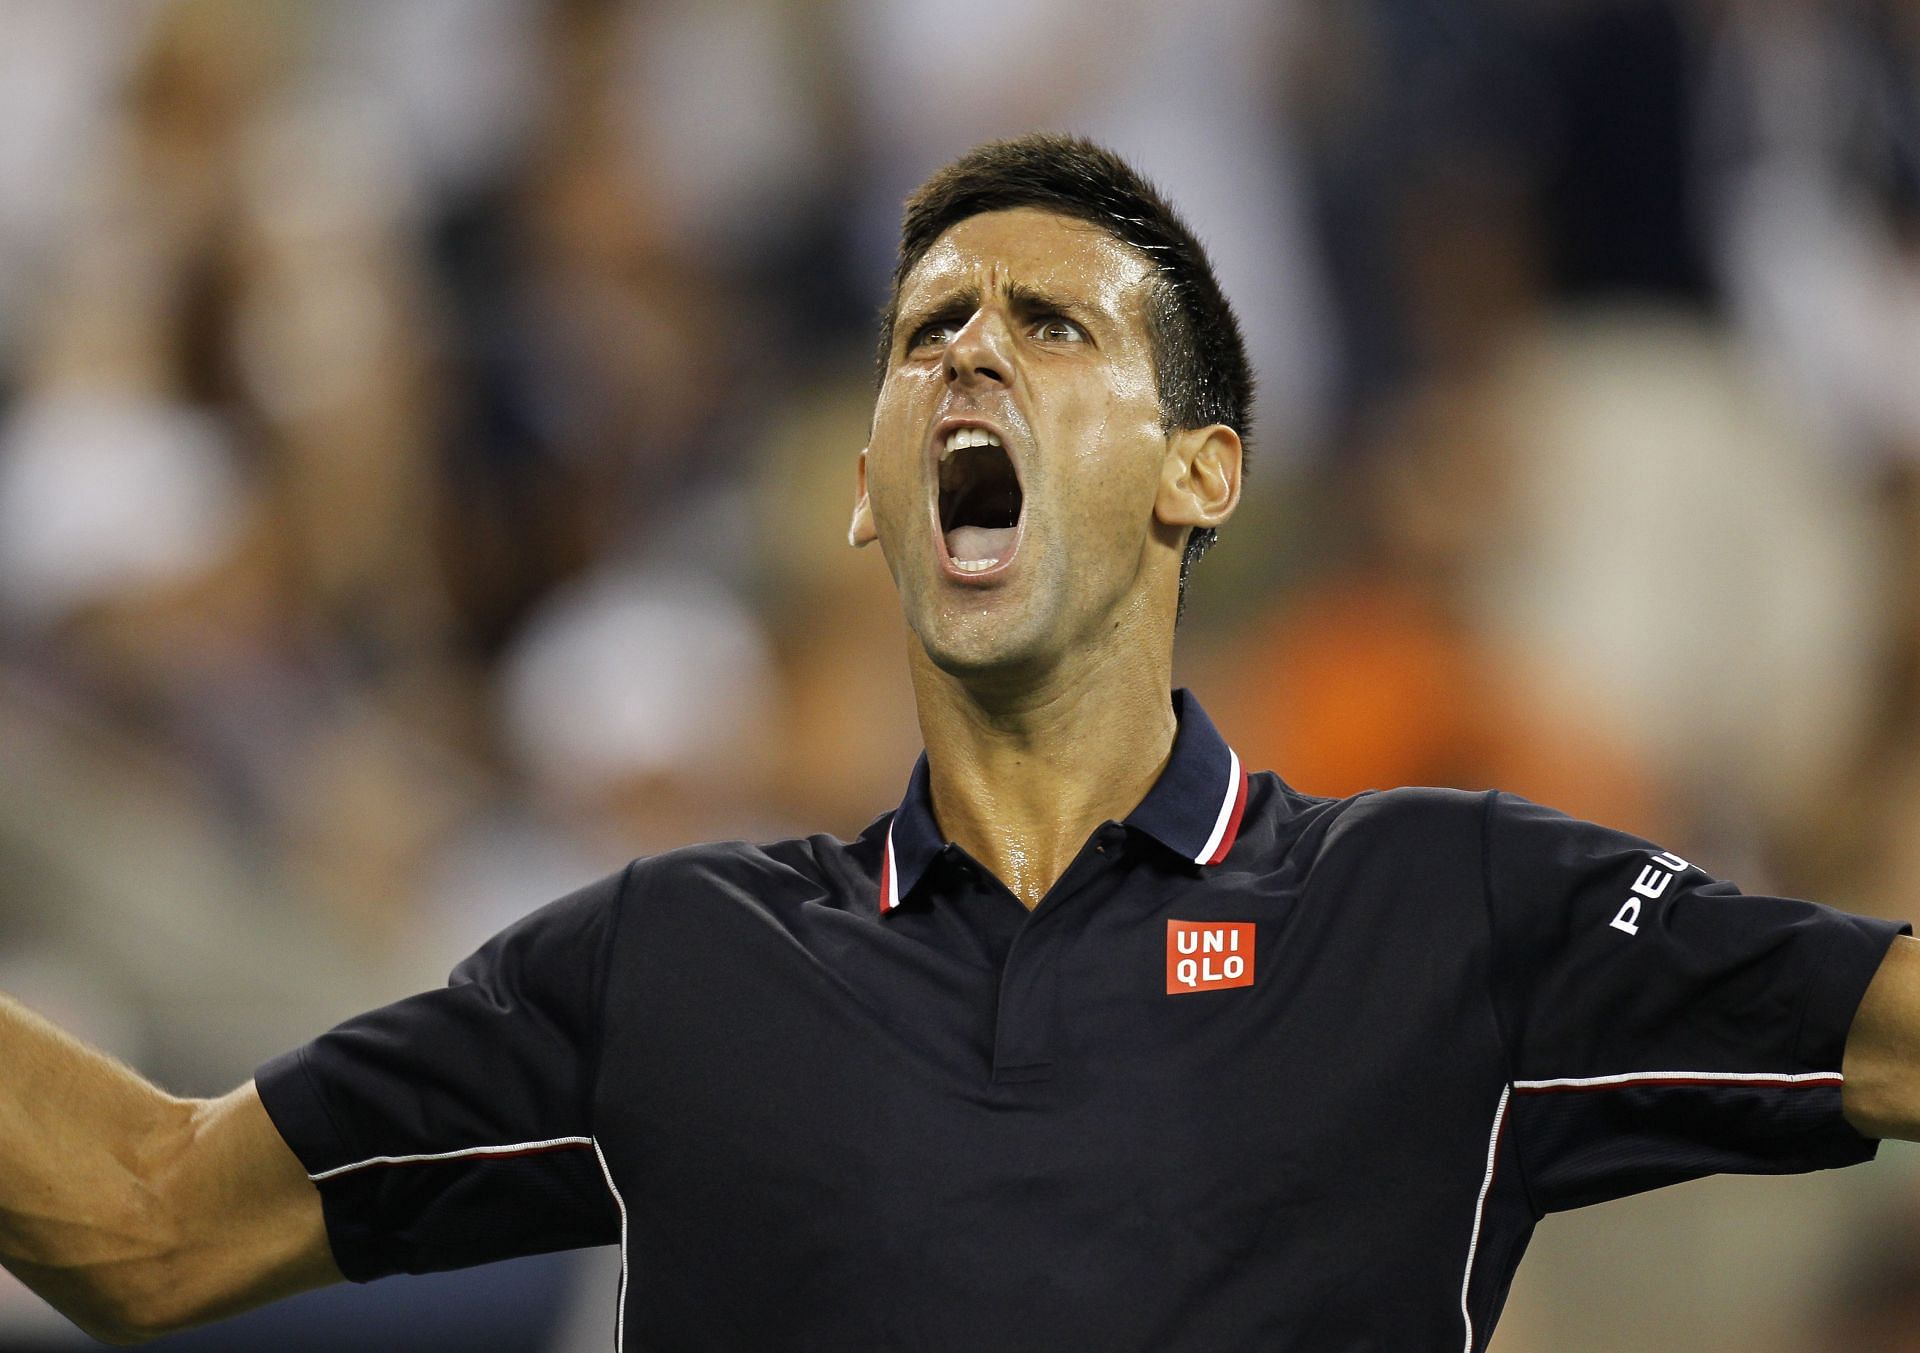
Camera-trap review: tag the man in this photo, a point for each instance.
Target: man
(1097, 1041)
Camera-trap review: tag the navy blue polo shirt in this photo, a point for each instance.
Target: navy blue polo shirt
(1261, 1070)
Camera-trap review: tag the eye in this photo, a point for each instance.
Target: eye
(1058, 329)
(934, 333)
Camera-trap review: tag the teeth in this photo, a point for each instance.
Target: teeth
(961, 438)
(974, 565)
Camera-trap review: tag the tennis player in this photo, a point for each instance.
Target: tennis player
(1097, 1041)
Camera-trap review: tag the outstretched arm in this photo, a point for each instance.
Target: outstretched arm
(1882, 1066)
(133, 1212)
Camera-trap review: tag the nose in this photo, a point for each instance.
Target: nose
(978, 352)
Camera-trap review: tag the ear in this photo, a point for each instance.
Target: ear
(1200, 477)
(860, 531)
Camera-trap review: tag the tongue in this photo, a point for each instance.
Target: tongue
(970, 544)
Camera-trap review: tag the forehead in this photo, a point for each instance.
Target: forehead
(1028, 247)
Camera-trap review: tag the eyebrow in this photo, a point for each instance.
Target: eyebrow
(1023, 298)
(951, 306)
(1032, 300)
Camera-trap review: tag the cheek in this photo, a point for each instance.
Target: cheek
(894, 450)
(1113, 471)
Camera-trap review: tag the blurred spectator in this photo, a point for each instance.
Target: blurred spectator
(60, 64)
(1685, 554)
(106, 495)
(642, 703)
(1812, 134)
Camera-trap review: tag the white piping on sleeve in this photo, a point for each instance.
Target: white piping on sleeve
(1779, 1078)
(510, 1149)
(1684, 1077)
(620, 1314)
(1480, 1209)
(521, 1149)
(1226, 809)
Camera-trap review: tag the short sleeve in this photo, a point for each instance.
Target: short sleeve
(456, 1127)
(1662, 1024)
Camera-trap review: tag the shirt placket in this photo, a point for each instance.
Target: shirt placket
(1027, 1017)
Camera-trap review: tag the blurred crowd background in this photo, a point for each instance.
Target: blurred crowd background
(427, 433)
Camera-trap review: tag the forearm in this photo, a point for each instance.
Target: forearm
(83, 1140)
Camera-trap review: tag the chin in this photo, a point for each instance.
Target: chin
(985, 645)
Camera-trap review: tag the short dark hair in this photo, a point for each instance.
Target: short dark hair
(1199, 357)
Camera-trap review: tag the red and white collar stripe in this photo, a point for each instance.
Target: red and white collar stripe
(1226, 826)
(889, 877)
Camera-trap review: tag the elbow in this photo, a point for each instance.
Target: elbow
(139, 1303)
(124, 1334)
(140, 1285)
(121, 1334)
(118, 1305)
(114, 1319)
(116, 1292)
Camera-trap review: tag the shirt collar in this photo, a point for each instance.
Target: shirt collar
(1193, 809)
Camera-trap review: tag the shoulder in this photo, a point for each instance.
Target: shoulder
(1379, 841)
(688, 876)
(1413, 817)
(809, 868)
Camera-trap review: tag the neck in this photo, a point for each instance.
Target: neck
(1021, 777)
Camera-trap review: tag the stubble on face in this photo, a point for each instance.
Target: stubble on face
(1032, 324)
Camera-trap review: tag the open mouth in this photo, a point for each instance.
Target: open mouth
(980, 500)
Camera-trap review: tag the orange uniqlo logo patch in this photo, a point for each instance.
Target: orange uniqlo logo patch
(1208, 955)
